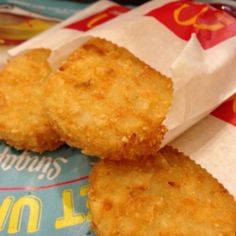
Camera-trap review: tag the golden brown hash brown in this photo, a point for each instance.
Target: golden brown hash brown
(165, 195)
(108, 103)
(23, 123)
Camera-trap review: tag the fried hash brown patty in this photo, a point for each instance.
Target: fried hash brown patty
(23, 123)
(109, 103)
(165, 195)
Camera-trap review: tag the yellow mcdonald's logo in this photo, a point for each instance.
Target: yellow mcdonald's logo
(223, 20)
(95, 20)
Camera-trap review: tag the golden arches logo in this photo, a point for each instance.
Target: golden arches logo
(223, 20)
(95, 20)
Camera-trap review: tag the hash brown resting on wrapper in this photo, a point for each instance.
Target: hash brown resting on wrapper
(23, 123)
(108, 103)
(165, 195)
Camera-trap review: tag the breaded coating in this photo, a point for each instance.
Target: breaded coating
(23, 123)
(165, 195)
(108, 103)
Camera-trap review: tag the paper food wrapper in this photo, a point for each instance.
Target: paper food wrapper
(192, 43)
(212, 144)
(47, 194)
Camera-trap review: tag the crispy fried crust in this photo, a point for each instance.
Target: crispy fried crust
(165, 195)
(23, 123)
(109, 103)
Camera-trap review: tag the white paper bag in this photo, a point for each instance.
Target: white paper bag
(212, 144)
(193, 44)
(197, 53)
